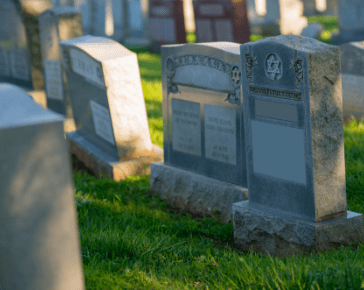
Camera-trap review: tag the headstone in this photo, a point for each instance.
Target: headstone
(55, 25)
(309, 7)
(136, 13)
(204, 166)
(166, 23)
(282, 17)
(30, 11)
(85, 8)
(39, 243)
(351, 21)
(294, 148)
(313, 30)
(108, 106)
(221, 20)
(352, 67)
(14, 54)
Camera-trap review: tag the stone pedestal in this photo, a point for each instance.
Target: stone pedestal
(266, 231)
(101, 163)
(195, 193)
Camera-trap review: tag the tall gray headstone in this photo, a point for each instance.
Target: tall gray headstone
(14, 54)
(108, 106)
(136, 32)
(294, 144)
(352, 66)
(351, 21)
(39, 243)
(282, 17)
(203, 129)
(55, 25)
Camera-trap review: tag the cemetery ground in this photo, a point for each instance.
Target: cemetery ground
(130, 239)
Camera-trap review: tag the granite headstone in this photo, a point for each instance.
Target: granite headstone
(55, 25)
(30, 11)
(39, 243)
(352, 67)
(221, 20)
(136, 13)
(14, 53)
(351, 21)
(166, 23)
(104, 85)
(204, 165)
(294, 148)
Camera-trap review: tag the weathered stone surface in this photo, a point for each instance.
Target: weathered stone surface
(39, 242)
(195, 193)
(30, 11)
(101, 163)
(265, 231)
(55, 25)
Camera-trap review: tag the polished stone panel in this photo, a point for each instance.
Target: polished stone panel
(108, 105)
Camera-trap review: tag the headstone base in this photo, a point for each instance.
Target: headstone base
(100, 163)
(195, 193)
(265, 231)
(348, 36)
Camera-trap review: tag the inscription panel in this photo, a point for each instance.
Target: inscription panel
(186, 127)
(102, 122)
(220, 134)
(87, 67)
(285, 112)
(278, 151)
(19, 64)
(54, 79)
(212, 10)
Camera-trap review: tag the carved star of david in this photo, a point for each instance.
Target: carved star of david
(235, 75)
(274, 65)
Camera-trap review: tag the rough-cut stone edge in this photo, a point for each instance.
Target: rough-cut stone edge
(265, 231)
(101, 163)
(195, 193)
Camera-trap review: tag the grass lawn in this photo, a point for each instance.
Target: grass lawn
(130, 239)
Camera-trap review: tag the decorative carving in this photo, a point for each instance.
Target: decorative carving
(66, 59)
(250, 61)
(297, 66)
(202, 60)
(276, 93)
(273, 67)
(235, 75)
(234, 99)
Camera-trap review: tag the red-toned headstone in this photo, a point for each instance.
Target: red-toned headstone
(221, 20)
(166, 22)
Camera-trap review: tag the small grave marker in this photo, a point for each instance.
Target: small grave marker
(351, 21)
(108, 106)
(221, 20)
(166, 23)
(294, 148)
(55, 25)
(352, 67)
(40, 247)
(203, 129)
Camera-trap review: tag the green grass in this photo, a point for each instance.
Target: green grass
(130, 239)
